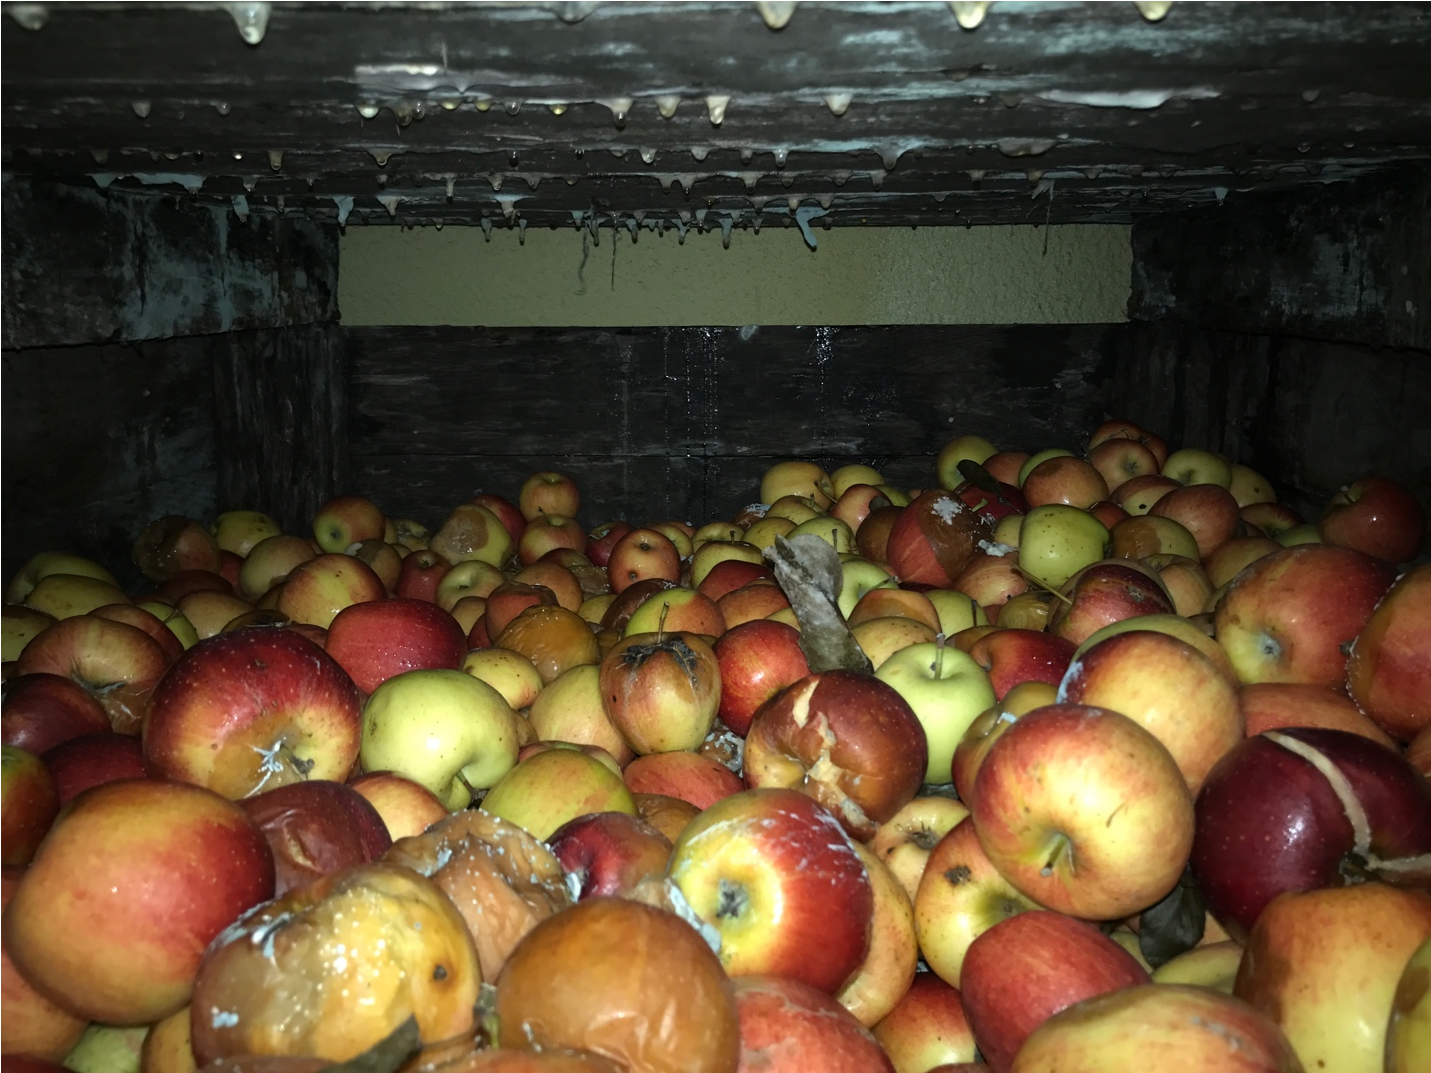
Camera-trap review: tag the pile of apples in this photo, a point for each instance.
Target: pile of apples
(1103, 761)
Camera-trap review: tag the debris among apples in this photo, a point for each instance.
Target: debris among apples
(662, 795)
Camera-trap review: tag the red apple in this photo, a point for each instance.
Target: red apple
(1376, 515)
(505, 511)
(1007, 501)
(991, 578)
(1105, 592)
(661, 692)
(374, 641)
(848, 740)
(927, 1027)
(1289, 616)
(933, 538)
(1027, 968)
(749, 603)
(1207, 511)
(32, 1025)
(315, 828)
(1084, 811)
(321, 587)
(421, 571)
(30, 804)
(1012, 656)
(689, 776)
(757, 659)
(855, 503)
(787, 1026)
(676, 610)
(549, 493)
(1064, 479)
(117, 663)
(1119, 460)
(94, 759)
(1005, 465)
(731, 574)
(1389, 669)
(642, 554)
(41, 710)
(603, 538)
(1274, 705)
(872, 539)
(134, 882)
(1235, 553)
(608, 853)
(251, 710)
(547, 532)
(174, 543)
(1304, 808)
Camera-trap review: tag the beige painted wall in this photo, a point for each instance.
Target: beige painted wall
(858, 275)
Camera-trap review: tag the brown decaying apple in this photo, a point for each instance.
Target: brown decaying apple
(315, 828)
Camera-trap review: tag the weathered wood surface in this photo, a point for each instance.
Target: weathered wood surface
(82, 266)
(682, 422)
(280, 412)
(98, 440)
(1348, 262)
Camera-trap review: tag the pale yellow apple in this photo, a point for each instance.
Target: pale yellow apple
(67, 595)
(510, 673)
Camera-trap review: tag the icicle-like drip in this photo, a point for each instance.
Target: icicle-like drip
(876, 178)
(667, 104)
(101, 156)
(826, 200)
(558, 108)
(482, 104)
(513, 107)
(838, 103)
(803, 216)
(275, 159)
(240, 204)
(345, 206)
(522, 231)
(487, 228)
(1026, 146)
(389, 202)
(1153, 10)
(969, 13)
(495, 179)
(620, 108)
(367, 110)
(249, 182)
(747, 155)
(750, 178)
(251, 19)
(776, 13)
(648, 155)
(780, 157)
(509, 204)
(700, 152)
(29, 16)
(222, 107)
(141, 108)
(793, 202)
(715, 106)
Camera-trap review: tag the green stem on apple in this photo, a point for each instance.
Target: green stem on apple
(1042, 585)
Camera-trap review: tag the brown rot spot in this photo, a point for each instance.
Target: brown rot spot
(958, 875)
(440, 973)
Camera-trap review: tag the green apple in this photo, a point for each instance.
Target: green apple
(897, 496)
(831, 530)
(1248, 486)
(1057, 541)
(947, 690)
(845, 476)
(239, 530)
(107, 1049)
(472, 577)
(443, 729)
(946, 462)
(1212, 965)
(859, 576)
(1409, 1033)
(18, 624)
(52, 562)
(66, 595)
(1299, 534)
(1041, 456)
(1194, 466)
(549, 788)
(957, 611)
(1007, 530)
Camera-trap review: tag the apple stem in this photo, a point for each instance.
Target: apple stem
(938, 666)
(470, 788)
(661, 622)
(1042, 585)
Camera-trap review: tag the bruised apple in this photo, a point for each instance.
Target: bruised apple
(316, 827)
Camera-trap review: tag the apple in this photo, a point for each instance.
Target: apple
(551, 494)
(601, 540)
(270, 561)
(763, 533)
(382, 557)
(1012, 656)
(45, 563)
(1173, 625)
(1325, 964)
(845, 477)
(756, 660)
(678, 610)
(1228, 559)
(608, 853)
(376, 640)
(174, 543)
(67, 595)
(797, 478)
(407, 808)
(473, 532)
(1084, 811)
(41, 710)
(1029, 967)
(832, 531)
(1142, 535)
(347, 520)
(1037, 459)
(318, 589)
(570, 709)
(852, 507)
(641, 554)
(253, 709)
(1116, 428)
(933, 538)
(93, 759)
(848, 740)
(960, 896)
(509, 673)
(773, 873)
(32, 1024)
(31, 803)
(1273, 519)
(946, 462)
(1274, 705)
(18, 624)
(187, 581)
(990, 578)
(1056, 541)
(1110, 590)
(1138, 495)
(548, 788)
(505, 512)
(120, 665)
(1207, 511)
(379, 931)
(1321, 807)
(1166, 686)
(691, 777)
(946, 689)
(711, 553)
(553, 638)
(1376, 515)
(661, 692)
(471, 577)
(1158, 1026)
(728, 575)
(1004, 466)
(239, 530)
(558, 579)
(315, 828)
(927, 1027)
(859, 576)
(888, 970)
(1211, 965)
(1185, 581)
(444, 729)
(134, 881)
(1064, 479)
(789, 1027)
(547, 532)
(1119, 460)
(211, 612)
(1287, 616)
(510, 599)
(904, 841)
(1408, 1036)
(993, 506)
(420, 574)
(1192, 465)
(1389, 669)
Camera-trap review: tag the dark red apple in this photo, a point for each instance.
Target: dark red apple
(92, 760)
(933, 538)
(991, 506)
(315, 828)
(729, 575)
(609, 852)
(1376, 515)
(375, 640)
(603, 538)
(1012, 656)
(1106, 592)
(757, 660)
(42, 710)
(419, 575)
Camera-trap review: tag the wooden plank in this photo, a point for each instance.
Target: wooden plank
(100, 440)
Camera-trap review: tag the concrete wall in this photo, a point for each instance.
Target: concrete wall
(935, 275)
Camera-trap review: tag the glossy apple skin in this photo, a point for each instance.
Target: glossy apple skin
(1273, 705)
(1268, 821)
(1389, 669)
(691, 777)
(1027, 968)
(927, 1027)
(376, 640)
(321, 587)
(92, 760)
(31, 1025)
(315, 828)
(1009, 500)
(1012, 656)
(30, 805)
(641, 554)
(774, 873)
(1325, 965)
(789, 1027)
(1084, 811)
(1064, 479)
(1155, 1027)
(661, 692)
(757, 660)
(848, 740)
(135, 880)
(419, 574)
(42, 710)
(933, 538)
(1286, 617)
(1207, 511)
(407, 808)
(235, 694)
(1376, 515)
(1107, 592)
(609, 852)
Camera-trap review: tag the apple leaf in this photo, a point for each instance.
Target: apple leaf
(1174, 925)
(808, 571)
(980, 478)
(385, 1056)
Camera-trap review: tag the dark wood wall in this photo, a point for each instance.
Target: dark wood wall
(682, 422)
